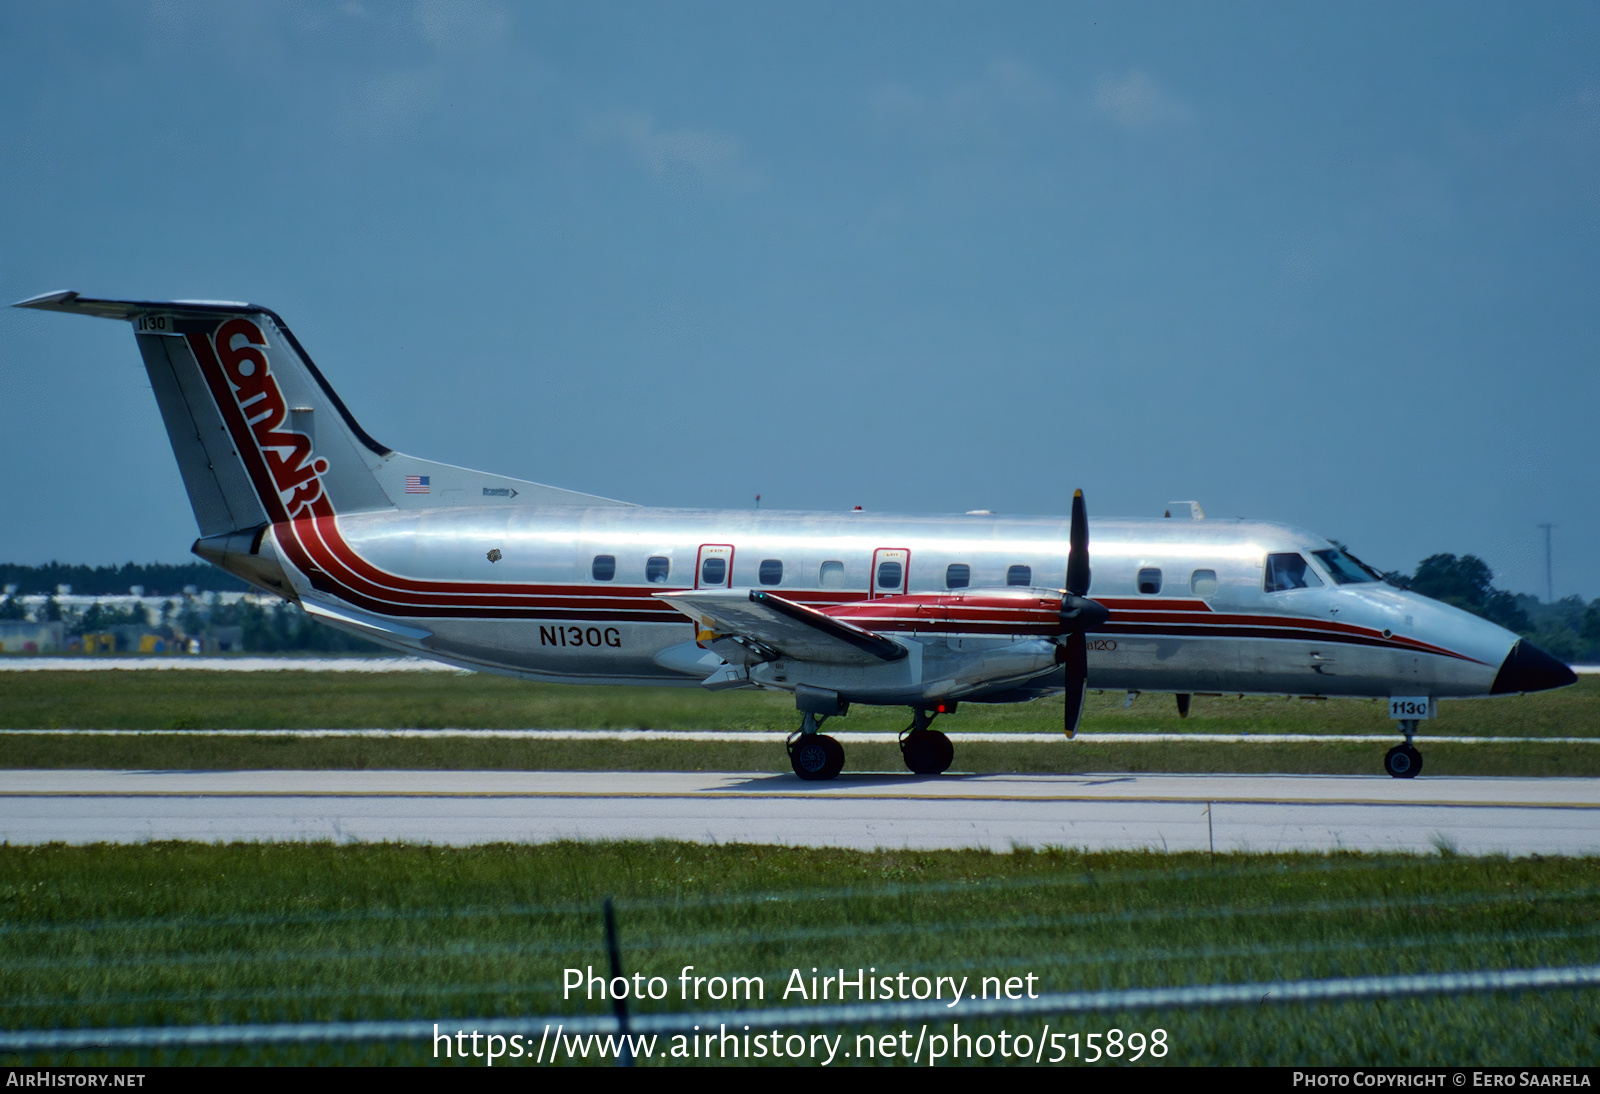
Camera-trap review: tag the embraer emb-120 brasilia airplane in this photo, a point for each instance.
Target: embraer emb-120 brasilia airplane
(507, 576)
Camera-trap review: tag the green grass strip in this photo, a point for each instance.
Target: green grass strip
(306, 700)
(314, 933)
(309, 700)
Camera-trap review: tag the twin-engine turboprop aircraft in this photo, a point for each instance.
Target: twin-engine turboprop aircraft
(507, 576)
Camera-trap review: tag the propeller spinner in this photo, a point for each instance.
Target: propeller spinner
(1079, 616)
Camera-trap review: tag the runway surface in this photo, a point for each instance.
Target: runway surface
(1515, 816)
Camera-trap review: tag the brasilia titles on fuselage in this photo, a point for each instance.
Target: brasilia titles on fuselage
(509, 576)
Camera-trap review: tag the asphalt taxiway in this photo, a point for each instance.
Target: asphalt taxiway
(1478, 815)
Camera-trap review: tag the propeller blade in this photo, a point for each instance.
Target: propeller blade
(1078, 560)
(1078, 612)
(1074, 656)
(1079, 615)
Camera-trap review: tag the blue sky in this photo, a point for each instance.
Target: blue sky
(1334, 265)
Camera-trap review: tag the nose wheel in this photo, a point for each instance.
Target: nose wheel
(1404, 761)
(926, 751)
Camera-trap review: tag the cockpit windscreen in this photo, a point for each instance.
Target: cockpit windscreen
(1346, 568)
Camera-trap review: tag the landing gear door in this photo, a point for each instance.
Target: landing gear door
(891, 571)
(714, 568)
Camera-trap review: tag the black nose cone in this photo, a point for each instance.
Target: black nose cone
(1528, 668)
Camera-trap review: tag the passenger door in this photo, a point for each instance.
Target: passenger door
(891, 572)
(713, 569)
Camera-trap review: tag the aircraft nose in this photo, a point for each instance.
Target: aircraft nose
(1528, 668)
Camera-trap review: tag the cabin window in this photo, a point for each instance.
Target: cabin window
(889, 575)
(957, 575)
(831, 575)
(714, 571)
(1203, 583)
(604, 567)
(772, 571)
(657, 568)
(1149, 581)
(1289, 571)
(1019, 575)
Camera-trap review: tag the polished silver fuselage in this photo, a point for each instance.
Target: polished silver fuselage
(515, 577)
(985, 641)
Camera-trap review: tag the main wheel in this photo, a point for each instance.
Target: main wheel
(817, 757)
(1403, 762)
(927, 752)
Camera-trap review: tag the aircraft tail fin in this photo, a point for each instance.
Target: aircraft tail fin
(260, 435)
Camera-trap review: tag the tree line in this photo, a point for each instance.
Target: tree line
(263, 627)
(158, 578)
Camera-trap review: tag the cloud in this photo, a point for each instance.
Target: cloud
(1006, 89)
(461, 25)
(434, 54)
(1136, 101)
(390, 102)
(712, 156)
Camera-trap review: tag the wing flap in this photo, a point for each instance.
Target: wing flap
(799, 632)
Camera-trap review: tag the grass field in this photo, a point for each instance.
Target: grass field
(309, 700)
(304, 700)
(177, 934)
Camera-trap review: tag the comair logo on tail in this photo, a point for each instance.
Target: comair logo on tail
(235, 367)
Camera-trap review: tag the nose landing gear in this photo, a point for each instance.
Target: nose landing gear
(1404, 761)
(926, 751)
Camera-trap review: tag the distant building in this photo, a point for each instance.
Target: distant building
(223, 639)
(17, 636)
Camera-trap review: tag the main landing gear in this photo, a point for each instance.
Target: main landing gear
(926, 751)
(1404, 761)
(815, 757)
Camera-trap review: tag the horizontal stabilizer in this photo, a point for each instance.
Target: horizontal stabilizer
(794, 630)
(128, 309)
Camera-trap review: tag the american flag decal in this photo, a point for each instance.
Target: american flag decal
(416, 484)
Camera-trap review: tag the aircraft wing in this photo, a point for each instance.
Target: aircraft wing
(794, 630)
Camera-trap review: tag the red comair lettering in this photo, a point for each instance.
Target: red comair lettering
(287, 453)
